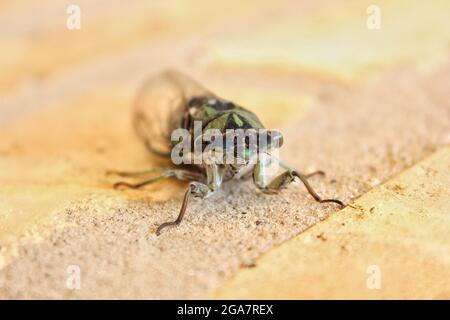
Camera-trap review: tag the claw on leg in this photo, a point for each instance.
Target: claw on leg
(197, 189)
(285, 178)
(214, 177)
(311, 191)
(180, 215)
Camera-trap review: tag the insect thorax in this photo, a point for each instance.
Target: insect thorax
(220, 114)
(229, 130)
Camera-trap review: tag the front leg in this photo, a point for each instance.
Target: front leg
(284, 179)
(214, 177)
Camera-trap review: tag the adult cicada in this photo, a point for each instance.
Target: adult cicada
(172, 102)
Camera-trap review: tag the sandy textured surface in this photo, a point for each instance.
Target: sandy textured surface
(391, 243)
(363, 116)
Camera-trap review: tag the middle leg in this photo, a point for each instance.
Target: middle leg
(177, 173)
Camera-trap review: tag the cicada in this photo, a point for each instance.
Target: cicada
(172, 101)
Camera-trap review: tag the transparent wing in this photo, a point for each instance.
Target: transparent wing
(162, 106)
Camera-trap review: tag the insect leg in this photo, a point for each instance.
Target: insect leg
(197, 189)
(179, 174)
(283, 180)
(133, 173)
(314, 173)
(309, 175)
(311, 190)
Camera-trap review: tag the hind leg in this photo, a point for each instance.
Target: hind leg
(134, 173)
(179, 174)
